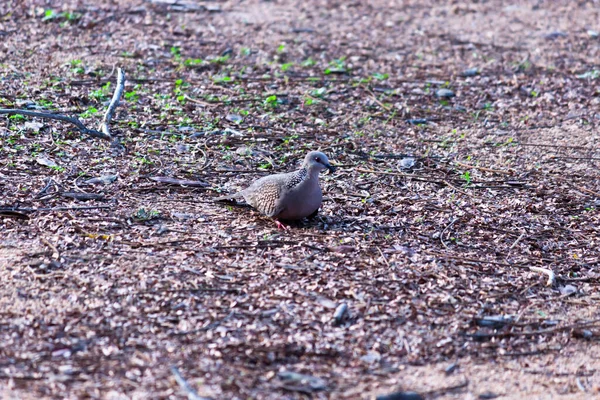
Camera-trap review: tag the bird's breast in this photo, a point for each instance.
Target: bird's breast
(302, 201)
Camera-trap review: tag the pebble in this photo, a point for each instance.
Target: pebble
(445, 93)
(470, 72)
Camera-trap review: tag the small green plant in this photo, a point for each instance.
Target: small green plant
(146, 215)
(309, 62)
(223, 79)
(133, 95)
(65, 17)
(192, 62)
(245, 51)
(102, 93)
(45, 103)
(286, 66)
(337, 66)
(320, 92)
(77, 67)
(593, 74)
(57, 168)
(281, 48)
(381, 77)
(271, 101)
(176, 53)
(220, 59)
(467, 177)
(89, 112)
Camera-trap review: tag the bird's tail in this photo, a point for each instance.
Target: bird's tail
(237, 195)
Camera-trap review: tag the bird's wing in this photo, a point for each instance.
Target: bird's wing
(264, 195)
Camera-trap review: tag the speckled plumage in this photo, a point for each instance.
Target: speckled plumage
(289, 196)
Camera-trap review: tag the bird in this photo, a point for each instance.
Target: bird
(289, 196)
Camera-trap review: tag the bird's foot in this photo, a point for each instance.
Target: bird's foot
(281, 226)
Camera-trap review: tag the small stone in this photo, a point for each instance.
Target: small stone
(182, 148)
(555, 35)
(104, 179)
(567, 290)
(445, 93)
(400, 396)
(236, 119)
(33, 126)
(407, 163)
(308, 382)
(46, 162)
(470, 72)
(371, 357)
(593, 34)
(243, 151)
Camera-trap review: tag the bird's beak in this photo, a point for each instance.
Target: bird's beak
(331, 168)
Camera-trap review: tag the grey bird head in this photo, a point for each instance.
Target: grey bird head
(317, 161)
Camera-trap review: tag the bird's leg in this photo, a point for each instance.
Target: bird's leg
(281, 226)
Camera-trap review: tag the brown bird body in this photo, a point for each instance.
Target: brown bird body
(289, 196)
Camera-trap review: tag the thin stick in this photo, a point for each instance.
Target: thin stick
(445, 229)
(557, 329)
(19, 209)
(55, 253)
(191, 393)
(517, 241)
(496, 171)
(104, 128)
(455, 188)
(58, 117)
(386, 108)
(550, 273)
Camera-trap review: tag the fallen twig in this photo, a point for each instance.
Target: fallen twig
(517, 241)
(104, 128)
(175, 181)
(445, 229)
(20, 209)
(55, 253)
(72, 120)
(191, 393)
(535, 333)
(103, 133)
(550, 273)
(495, 171)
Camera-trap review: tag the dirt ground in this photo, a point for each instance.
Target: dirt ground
(467, 144)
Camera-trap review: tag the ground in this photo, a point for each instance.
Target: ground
(461, 228)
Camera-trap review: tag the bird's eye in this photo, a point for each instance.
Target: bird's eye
(317, 159)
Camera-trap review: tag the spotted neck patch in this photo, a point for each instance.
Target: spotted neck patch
(297, 178)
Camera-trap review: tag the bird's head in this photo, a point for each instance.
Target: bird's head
(317, 161)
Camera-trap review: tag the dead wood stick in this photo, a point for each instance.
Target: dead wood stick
(386, 108)
(55, 253)
(104, 126)
(72, 120)
(20, 209)
(549, 272)
(103, 133)
(516, 241)
(415, 177)
(496, 171)
(538, 332)
(455, 188)
(191, 393)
